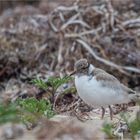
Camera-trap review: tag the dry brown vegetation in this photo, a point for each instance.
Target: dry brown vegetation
(47, 37)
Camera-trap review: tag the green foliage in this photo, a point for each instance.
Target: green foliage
(70, 90)
(137, 100)
(24, 110)
(39, 83)
(34, 109)
(55, 82)
(8, 113)
(107, 129)
(52, 84)
(33, 105)
(30, 109)
(134, 125)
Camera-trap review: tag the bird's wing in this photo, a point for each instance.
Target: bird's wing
(128, 90)
(108, 80)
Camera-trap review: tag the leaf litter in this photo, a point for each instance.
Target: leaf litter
(39, 43)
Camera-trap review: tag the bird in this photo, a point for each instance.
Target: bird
(98, 88)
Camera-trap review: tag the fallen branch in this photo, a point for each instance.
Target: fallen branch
(132, 22)
(75, 22)
(107, 62)
(93, 32)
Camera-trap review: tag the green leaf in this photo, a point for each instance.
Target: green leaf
(57, 81)
(53, 82)
(8, 113)
(134, 125)
(37, 107)
(39, 83)
(25, 110)
(107, 129)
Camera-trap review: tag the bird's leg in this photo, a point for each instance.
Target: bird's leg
(103, 113)
(111, 112)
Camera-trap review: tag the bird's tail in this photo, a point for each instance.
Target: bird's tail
(135, 97)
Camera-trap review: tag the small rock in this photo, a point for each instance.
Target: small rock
(12, 131)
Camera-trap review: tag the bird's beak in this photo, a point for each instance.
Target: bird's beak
(74, 72)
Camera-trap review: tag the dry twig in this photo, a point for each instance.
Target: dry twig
(106, 62)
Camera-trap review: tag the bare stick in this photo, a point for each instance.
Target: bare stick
(109, 63)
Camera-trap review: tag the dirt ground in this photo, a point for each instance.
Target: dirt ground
(45, 38)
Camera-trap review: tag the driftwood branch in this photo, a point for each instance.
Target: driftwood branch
(106, 62)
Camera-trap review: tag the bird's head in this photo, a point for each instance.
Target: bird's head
(81, 67)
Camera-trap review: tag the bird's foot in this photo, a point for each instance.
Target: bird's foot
(111, 112)
(103, 112)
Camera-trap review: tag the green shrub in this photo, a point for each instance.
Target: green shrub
(28, 109)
